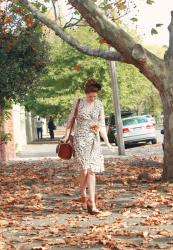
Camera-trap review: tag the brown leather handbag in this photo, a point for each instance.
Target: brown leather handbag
(65, 150)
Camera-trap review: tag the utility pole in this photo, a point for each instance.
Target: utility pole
(117, 109)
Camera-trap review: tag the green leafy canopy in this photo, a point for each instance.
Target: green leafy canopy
(68, 71)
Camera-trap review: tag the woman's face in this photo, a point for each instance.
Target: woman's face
(90, 97)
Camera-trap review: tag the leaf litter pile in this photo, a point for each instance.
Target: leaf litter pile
(40, 207)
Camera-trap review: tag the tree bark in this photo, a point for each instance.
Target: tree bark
(169, 52)
(167, 99)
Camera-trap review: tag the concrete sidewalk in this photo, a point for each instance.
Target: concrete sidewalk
(41, 151)
(42, 209)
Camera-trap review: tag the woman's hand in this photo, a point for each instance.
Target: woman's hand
(110, 146)
(64, 138)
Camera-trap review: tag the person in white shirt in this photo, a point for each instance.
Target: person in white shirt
(39, 126)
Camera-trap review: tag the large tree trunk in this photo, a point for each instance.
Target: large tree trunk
(167, 99)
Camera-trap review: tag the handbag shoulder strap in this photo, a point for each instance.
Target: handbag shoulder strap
(76, 110)
(74, 116)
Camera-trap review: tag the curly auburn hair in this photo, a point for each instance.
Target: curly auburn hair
(92, 85)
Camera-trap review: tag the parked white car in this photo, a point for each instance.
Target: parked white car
(138, 129)
(150, 118)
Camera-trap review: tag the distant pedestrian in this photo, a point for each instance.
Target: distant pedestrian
(51, 127)
(39, 126)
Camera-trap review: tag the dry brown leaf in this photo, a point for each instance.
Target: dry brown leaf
(56, 242)
(38, 248)
(104, 214)
(145, 234)
(4, 223)
(3, 246)
(166, 233)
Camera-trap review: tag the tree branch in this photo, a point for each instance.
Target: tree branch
(114, 56)
(69, 24)
(138, 53)
(54, 10)
(170, 28)
(97, 19)
(149, 64)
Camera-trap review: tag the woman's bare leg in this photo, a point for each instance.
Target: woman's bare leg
(83, 182)
(91, 183)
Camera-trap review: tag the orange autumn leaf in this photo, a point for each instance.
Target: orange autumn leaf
(78, 67)
(38, 248)
(17, 10)
(121, 5)
(29, 21)
(145, 234)
(34, 47)
(104, 214)
(7, 20)
(102, 41)
(108, 7)
(4, 223)
(95, 128)
(165, 232)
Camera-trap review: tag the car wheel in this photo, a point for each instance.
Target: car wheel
(154, 141)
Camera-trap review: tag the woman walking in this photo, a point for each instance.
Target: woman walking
(90, 121)
(51, 127)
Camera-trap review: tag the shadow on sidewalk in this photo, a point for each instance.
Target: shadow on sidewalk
(46, 140)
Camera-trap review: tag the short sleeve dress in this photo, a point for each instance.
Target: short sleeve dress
(88, 153)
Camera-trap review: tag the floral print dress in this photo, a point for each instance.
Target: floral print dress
(88, 153)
